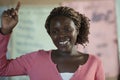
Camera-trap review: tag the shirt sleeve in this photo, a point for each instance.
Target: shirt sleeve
(11, 67)
(100, 74)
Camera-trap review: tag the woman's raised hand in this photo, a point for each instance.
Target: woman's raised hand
(9, 19)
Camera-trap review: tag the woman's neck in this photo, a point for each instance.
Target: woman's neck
(59, 53)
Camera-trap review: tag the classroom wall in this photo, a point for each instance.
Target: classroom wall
(28, 6)
(37, 2)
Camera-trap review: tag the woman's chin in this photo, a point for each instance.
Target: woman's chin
(64, 49)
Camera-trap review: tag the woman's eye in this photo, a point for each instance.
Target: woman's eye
(68, 30)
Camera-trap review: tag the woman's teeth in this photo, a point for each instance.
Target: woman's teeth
(63, 42)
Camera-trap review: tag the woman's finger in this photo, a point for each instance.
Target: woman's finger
(18, 6)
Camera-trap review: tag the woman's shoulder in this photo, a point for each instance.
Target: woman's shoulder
(35, 54)
(91, 58)
(94, 59)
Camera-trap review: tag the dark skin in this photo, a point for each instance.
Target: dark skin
(69, 63)
(63, 33)
(9, 19)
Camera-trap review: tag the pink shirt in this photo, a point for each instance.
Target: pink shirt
(39, 66)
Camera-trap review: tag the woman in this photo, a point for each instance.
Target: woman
(67, 28)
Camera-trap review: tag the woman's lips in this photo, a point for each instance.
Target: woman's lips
(64, 42)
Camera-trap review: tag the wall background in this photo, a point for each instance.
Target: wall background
(31, 22)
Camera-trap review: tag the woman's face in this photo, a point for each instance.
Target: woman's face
(63, 33)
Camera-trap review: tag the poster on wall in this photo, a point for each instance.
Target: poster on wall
(103, 32)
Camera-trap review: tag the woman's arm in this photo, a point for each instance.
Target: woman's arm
(11, 67)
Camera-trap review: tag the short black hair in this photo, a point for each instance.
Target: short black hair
(80, 20)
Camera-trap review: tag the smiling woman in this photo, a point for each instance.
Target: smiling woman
(67, 28)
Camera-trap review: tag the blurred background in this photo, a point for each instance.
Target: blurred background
(30, 34)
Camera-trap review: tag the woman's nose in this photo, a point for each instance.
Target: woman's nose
(62, 33)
